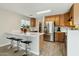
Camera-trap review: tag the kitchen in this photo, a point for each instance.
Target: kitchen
(47, 32)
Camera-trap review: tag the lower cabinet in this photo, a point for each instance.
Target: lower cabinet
(46, 37)
(59, 36)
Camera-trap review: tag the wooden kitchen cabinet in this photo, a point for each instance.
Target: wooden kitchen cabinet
(69, 17)
(47, 37)
(62, 20)
(49, 18)
(72, 16)
(54, 18)
(57, 22)
(59, 36)
(66, 19)
(33, 22)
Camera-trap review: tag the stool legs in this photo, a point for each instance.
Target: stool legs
(18, 43)
(26, 52)
(11, 45)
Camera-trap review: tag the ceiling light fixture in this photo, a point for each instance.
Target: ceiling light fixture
(45, 11)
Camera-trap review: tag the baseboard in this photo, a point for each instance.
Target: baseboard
(34, 53)
(1, 45)
(30, 51)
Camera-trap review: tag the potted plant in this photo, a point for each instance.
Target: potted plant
(23, 28)
(28, 27)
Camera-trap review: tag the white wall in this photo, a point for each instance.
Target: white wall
(8, 21)
(73, 43)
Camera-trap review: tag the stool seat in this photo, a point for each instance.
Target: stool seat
(16, 39)
(12, 38)
(26, 42)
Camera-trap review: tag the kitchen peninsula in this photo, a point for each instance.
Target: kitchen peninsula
(33, 36)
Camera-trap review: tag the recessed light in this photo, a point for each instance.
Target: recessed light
(45, 11)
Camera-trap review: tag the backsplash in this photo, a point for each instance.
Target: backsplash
(62, 29)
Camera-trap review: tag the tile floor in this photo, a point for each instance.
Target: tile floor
(53, 49)
(50, 49)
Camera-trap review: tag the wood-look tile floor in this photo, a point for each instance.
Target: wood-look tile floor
(53, 49)
(50, 49)
(4, 51)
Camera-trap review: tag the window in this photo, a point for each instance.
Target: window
(25, 22)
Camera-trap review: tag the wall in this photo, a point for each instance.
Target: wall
(8, 21)
(72, 43)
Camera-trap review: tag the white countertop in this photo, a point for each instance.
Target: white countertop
(25, 34)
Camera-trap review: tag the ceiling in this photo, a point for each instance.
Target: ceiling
(28, 9)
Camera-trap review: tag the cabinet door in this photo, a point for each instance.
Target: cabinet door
(66, 18)
(72, 16)
(33, 22)
(53, 19)
(62, 20)
(57, 20)
(50, 19)
(46, 19)
(47, 37)
(59, 37)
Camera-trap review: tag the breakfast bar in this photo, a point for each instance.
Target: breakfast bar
(34, 37)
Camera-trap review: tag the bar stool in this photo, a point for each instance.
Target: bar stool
(26, 42)
(11, 44)
(18, 42)
(26, 47)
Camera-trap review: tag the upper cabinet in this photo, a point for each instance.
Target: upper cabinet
(72, 16)
(49, 18)
(33, 22)
(52, 19)
(69, 18)
(62, 20)
(66, 19)
(57, 21)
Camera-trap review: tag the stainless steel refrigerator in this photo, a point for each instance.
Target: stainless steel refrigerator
(51, 30)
